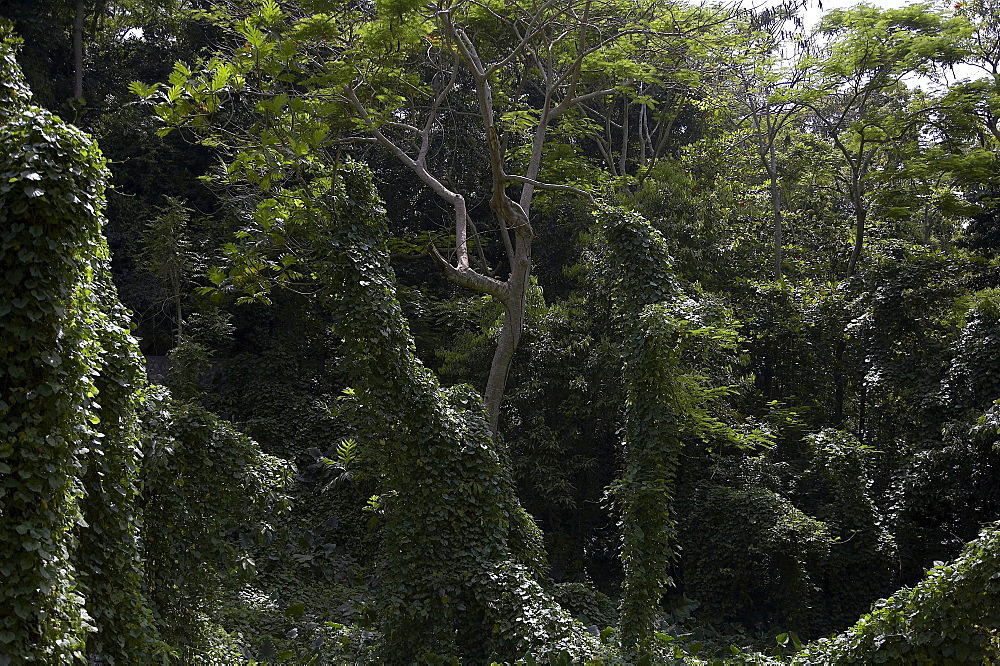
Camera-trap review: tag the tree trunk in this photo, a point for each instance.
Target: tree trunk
(862, 411)
(78, 49)
(175, 285)
(776, 207)
(859, 228)
(772, 172)
(839, 385)
(515, 303)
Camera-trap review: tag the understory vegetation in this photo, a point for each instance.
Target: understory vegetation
(608, 332)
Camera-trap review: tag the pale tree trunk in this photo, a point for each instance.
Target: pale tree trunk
(512, 216)
(515, 306)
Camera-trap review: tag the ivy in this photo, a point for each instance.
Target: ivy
(753, 555)
(665, 403)
(109, 557)
(461, 557)
(644, 490)
(79, 558)
(209, 493)
(948, 618)
(55, 339)
(457, 539)
(972, 381)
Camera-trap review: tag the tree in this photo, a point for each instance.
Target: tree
(60, 347)
(408, 74)
(967, 123)
(860, 72)
(763, 89)
(530, 66)
(978, 47)
(58, 33)
(77, 579)
(665, 405)
(170, 257)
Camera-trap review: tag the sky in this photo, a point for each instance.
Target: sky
(813, 13)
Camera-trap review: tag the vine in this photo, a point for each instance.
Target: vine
(461, 555)
(950, 617)
(208, 493)
(72, 393)
(109, 558)
(51, 191)
(665, 403)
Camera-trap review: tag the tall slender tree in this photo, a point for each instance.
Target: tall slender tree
(861, 67)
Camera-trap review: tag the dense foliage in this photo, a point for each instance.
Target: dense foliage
(619, 332)
(53, 257)
(80, 557)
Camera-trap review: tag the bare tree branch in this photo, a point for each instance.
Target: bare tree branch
(470, 279)
(551, 186)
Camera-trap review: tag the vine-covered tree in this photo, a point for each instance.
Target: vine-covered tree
(76, 472)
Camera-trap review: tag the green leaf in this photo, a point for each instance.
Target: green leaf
(142, 90)
(216, 275)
